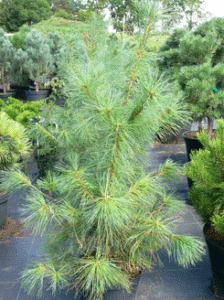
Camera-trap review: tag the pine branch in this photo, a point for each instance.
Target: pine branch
(72, 58)
(141, 52)
(139, 109)
(83, 186)
(46, 132)
(116, 147)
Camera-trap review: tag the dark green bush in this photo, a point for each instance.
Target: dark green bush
(18, 38)
(173, 41)
(63, 14)
(216, 26)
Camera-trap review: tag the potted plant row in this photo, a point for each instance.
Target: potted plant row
(192, 58)
(195, 59)
(7, 52)
(206, 170)
(110, 216)
(37, 60)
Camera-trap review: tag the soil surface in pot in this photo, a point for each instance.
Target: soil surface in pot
(214, 236)
(13, 228)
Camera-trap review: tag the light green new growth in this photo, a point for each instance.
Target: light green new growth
(14, 142)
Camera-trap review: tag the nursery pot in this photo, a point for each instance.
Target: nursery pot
(7, 95)
(45, 163)
(3, 207)
(32, 95)
(216, 255)
(192, 143)
(20, 91)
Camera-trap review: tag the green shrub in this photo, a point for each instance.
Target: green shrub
(33, 106)
(173, 41)
(216, 26)
(24, 117)
(155, 41)
(2, 103)
(18, 38)
(21, 112)
(14, 143)
(64, 14)
(11, 111)
(12, 100)
(109, 214)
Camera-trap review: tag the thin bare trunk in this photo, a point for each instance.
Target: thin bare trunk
(200, 126)
(3, 80)
(210, 127)
(8, 86)
(37, 87)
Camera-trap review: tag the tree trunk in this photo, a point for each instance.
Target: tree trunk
(3, 80)
(8, 86)
(37, 87)
(200, 127)
(210, 127)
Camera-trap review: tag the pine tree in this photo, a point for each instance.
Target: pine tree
(39, 63)
(6, 60)
(189, 58)
(206, 169)
(110, 215)
(58, 49)
(199, 79)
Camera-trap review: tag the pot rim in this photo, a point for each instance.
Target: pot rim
(206, 237)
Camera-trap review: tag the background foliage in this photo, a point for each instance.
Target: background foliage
(15, 13)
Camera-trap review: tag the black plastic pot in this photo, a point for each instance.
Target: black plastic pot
(5, 97)
(45, 163)
(191, 144)
(20, 91)
(216, 255)
(3, 208)
(32, 95)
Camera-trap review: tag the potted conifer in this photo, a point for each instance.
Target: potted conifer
(110, 215)
(58, 49)
(7, 52)
(206, 170)
(14, 146)
(190, 58)
(43, 132)
(39, 63)
(202, 84)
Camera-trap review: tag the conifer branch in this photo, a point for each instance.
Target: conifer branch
(72, 58)
(86, 88)
(141, 52)
(46, 132)
(139, 109)
(117, 140)
(83, 185)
